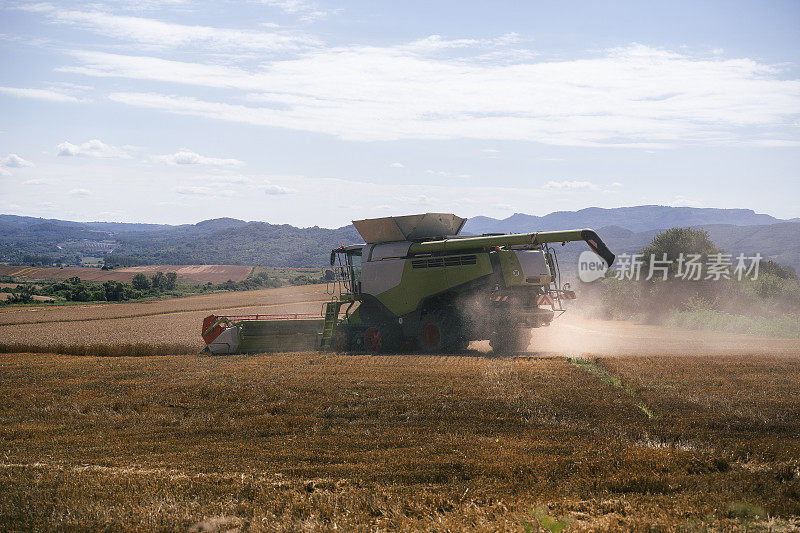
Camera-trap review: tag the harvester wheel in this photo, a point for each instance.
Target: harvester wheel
(380, 339)
(373, 340)
(431, 336)
(438, 335)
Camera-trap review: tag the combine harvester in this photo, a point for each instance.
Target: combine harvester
(417, 285)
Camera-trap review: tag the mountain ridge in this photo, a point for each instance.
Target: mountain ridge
(26, 240)
(635, 218)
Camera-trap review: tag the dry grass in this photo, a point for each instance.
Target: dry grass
(323, 442)
(102, 349)
(151, 325)
(200, 273)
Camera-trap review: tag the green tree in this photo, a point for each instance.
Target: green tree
(655, 299)
(157, 281)
(140, 282)
(21, 294)
(674, 242)
(80, 293)
(115, 291)
(170, 281)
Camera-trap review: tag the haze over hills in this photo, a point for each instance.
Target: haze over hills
(27, 240)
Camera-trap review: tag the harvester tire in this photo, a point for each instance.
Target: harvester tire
(438, 335)
(380, 339)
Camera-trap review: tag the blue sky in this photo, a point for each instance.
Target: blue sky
(315, 113)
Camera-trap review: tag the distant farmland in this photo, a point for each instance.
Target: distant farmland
(200, 273)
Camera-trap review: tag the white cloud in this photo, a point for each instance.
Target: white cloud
(233, 180)
(303, 9)
(571, 184)
(443, 174)
(434, 43)
(398, 165)
(35, 181)
(204, 192)
(193, 190)
(93, 148)
(156, 33)
(80, 193)
(15, 161)
(682, 201)
(49, 95)
(636, 96)
(4, 172)
(187, 157)
(776, 143)
(277, 190)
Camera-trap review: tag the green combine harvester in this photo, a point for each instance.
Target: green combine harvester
(418, 285)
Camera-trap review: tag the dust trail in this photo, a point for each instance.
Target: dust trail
(574, 336)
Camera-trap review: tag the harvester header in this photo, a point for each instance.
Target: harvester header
(417, 284)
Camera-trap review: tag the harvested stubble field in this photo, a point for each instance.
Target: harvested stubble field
(323, 442)
(143, 328)
(648, 428)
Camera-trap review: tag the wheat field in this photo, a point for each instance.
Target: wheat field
(158, 327)
(599, 427)
(326, 442)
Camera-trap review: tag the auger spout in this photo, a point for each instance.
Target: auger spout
(519, 239)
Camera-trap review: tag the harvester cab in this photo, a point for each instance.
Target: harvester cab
(346, 263)
(417, 284)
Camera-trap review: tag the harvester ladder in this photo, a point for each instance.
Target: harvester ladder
(331, 319)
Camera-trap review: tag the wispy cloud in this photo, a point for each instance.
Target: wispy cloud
(93, 148)
(682, 201)
(303, 9)
(272, 190)
(571, 184)
(187, 157)
(49, 95)
(80, 193)
(445, 174)
(435, 43)
(156, 33)
(203, 192)
(636, 96)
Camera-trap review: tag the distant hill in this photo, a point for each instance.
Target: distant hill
(28, 240)
(217, 241)
(237, 242)
(637, 219)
